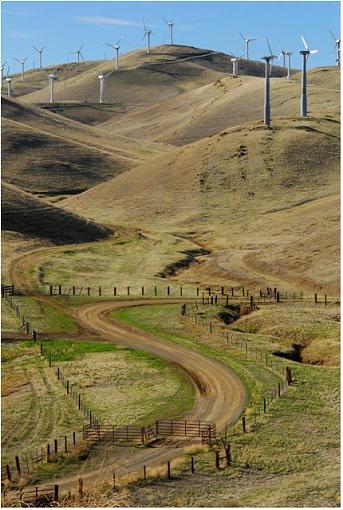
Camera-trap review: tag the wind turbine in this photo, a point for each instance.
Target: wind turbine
(2, 71)
(116, 48)
(51, 77)
(78, 53)
(40, 51)
(22, 62)
(170, 24)
(289, 53)
(234, 67)
(102, 78)
(283, 54)
(147, 34)
(303, 102)
(246, 44)
(337, 47)
(8, 81)
(268, 59)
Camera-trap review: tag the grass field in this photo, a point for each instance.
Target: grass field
(292, 457)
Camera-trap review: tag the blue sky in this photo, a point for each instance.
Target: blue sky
(63, 25)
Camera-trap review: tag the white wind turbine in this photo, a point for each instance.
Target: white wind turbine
(147, 34)
(337, 48)
(283, 54)
(40, 52)
(2, 71)
(305, 53)
(234, 67)
(116, 48)
(268, 59)
(78, 53)
(102, 78)
(52, 77)
(8, 81)
(170, 24)
(22, 62)
(247, 41)
(289, 54)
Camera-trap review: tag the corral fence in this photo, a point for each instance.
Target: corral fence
(206, 431)
(39, 496)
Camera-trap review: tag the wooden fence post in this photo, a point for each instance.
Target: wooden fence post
(278, 297)
(180, 291)
(80, 487)
(169, 470)
(155, 290)
(315, 298)
(74, 290)
(88, 291)
(48, 452)
(264, 405)
(56, 445)
(56, 493)
(114, 291)
(144, 472)
(227, 301)
(114, 479)
(279, 389)
(192, 465)
(128, 291)
(197, 291)
(217, 460)
(243, 424)
(168, 290)
(59, 290)
(17, 465)
(243, 291)
(8, 472)
(231, 291)
(99, 291)
(228, 455)
(325, 299)
(142, 291)
(65, 444)
(67, 387)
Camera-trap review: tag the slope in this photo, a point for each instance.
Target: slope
(23, 213)
(225, 103)
(167, 71)
(47, 154)
(220, 189)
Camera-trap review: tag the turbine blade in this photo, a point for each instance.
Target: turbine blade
(33, 46)
(304, 42)
(242, 36)
(119, 41)
(81, 46)
(333, 37)
(270, 50)
(110, 45)
(17, 60)
(313, 52)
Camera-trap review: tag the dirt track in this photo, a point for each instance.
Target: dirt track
(219, 393)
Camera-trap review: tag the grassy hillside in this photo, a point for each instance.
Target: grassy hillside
(242, 193)
(60, 156)
(224, 103)
(167, 71)
(26, 214)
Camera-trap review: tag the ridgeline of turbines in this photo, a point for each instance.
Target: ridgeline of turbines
(147, 35)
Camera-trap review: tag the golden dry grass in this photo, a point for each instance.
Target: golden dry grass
(241, 193)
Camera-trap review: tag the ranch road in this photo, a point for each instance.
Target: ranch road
(219, 393)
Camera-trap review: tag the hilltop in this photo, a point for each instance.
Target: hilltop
(227, 193)
(47, 154)
(26, 214)
(167, 71)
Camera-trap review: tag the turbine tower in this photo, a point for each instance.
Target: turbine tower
(303, 102)
(247, 41)
(78, 53)
(337, 48)
(2, 71)
(268, 59)
(116, 48)
(147, 34)
(51, 77)
(170, 24)
(8, 81)
(22, 62)
(289, 53)
(40, 52)
(102, 78)
(283, 54)
(234, 67)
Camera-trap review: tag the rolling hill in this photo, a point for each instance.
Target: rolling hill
(26, 214)
(225, 103)
(46, 154)
(226, 192)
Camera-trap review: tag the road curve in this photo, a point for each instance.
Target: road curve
(219, 393)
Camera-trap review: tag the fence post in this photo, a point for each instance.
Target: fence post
(142, 291)
(180, 291)
(17, 465)
(114, 480)
(325, 299)
(56, 445)
(278, 297)
(289, 379)
(8, 473)
(74, 290)
(315, 298)
(243, 291)
(243, 424)
(56, 493)
(74, 438)
(264, 405)
(67, 387)
(169, 470)
(80, 487)
(128, 291)
(168, 290)
(192, 465)
(48, 452)
(197, 291)
(217, 460)
(65, 444)
(114, 291)
(155, 290)
(59, 290)
(90, 418)
(79, 402)
(227, 301)
(144, 472)
(228, 455)
(279, 389)
(88, 291)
